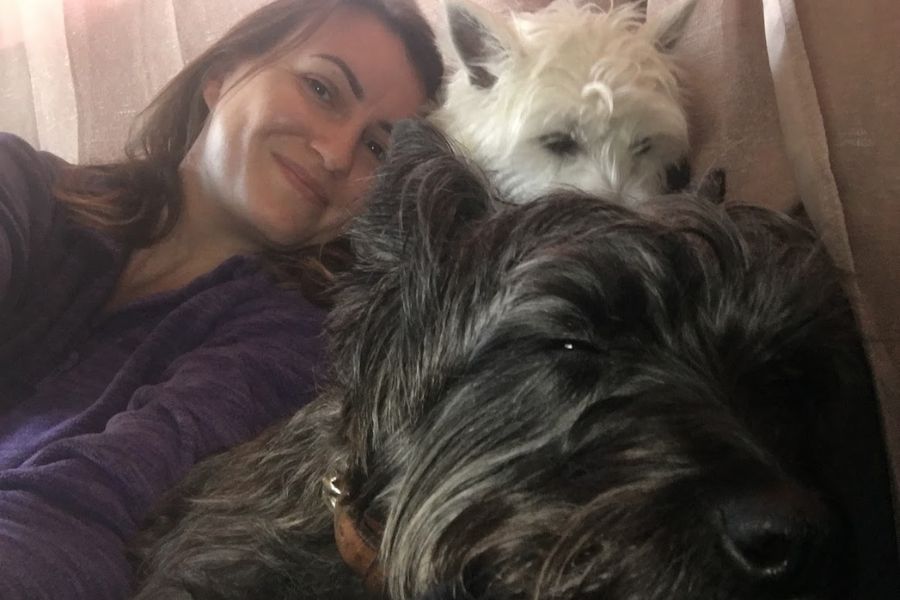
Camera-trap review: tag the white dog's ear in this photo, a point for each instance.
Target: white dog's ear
(669, 25)
(479, 38)
(639, 5)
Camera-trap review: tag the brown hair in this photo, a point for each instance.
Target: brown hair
(139, 200)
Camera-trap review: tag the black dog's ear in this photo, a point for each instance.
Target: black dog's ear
(416, 141)
(425, 203)
(425, 198)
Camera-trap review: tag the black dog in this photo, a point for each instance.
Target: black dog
(560, 400)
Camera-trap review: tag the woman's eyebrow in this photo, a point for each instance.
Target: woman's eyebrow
(355, 87)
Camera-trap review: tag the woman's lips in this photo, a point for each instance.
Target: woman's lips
(301, 180)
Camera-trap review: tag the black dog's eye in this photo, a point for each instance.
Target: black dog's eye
(641, 147)
(561, 144)
(573, 345)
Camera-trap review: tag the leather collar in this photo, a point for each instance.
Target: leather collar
(357, 539)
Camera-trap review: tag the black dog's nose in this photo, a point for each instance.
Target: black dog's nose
(776, 535)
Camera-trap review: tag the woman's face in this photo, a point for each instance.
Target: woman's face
(288, 151)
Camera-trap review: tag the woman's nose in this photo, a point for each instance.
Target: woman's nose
(337, 146)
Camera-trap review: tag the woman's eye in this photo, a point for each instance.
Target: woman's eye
(379, 151)
(319, 89)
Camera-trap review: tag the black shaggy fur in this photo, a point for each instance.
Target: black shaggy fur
(560, 400)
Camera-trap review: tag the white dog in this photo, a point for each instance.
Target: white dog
(568, 96)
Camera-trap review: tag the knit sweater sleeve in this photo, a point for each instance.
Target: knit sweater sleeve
(68, 512)
(26, 213)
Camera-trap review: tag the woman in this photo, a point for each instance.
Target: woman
(146, 312)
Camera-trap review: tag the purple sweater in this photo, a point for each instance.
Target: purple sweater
(100, 413)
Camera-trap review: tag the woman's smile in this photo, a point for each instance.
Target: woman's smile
(301, 180)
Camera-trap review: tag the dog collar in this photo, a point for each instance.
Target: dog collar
(356, 539)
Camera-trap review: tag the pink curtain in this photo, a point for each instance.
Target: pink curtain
(75, 72)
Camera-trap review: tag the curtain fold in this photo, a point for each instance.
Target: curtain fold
(52, 87)
(75, 73)
(803, 129)
(16, 101)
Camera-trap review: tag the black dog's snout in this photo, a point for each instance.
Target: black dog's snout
(778, 535)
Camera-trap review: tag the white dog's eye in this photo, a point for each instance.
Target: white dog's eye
(560, 144)
(641, 147)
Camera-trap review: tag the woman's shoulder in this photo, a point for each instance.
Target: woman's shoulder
(18, 157)
(27, 176)
(11, 143)
(27, 203)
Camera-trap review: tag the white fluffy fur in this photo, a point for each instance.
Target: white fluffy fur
(604, 78)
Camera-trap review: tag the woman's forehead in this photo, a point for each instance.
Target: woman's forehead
(359, 46)
(354, 34)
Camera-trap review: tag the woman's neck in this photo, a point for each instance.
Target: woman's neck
(200, 241)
